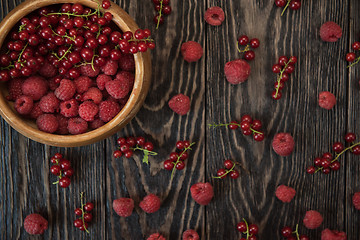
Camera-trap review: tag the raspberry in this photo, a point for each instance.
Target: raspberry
(214, 16)
(48, 70)
(63, 124)
(49, 103)
(123, 206)
(88, 110)
(34, 87)
(24, 104)
(118, 88)
(285, 193)
(191, 51)
(96, 123)
(156, 236)
(190, 235)
(180, 104)
(312, 219)
(356, 200)
(283, 144)
(237, 71)
(327, 100)
(35, 224)
(93, 94)
(130, 77)
(110, 68)
(328, 234)
(87, 70)
(150, 204)
(101, 80)
(36, 111)
(83, 83)
(77, 126)
(127, 62)
(47, 123)
(69, 108)
(330, 32)
(108, 110)
(66, 90)
(14, 87)
(202, 193)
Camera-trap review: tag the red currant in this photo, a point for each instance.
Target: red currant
(256, 124)
(78, 222)
(88, 207)
(276, 68)
(64, 182)
(168, 164)
(327, 155)
(355, 45)
(180, 145)
(128, 154)
(254, 43)
(246, 118)
(149, 146)
(105, 4)
(221, 173)
(295, 5)
(243, 40)
(350, 57)
(338, 147)
(173, 156)
(180, 165)
(228, 164)
(276, 96)
(310, 170)
(280, 3)
(286, 232)
(245, 125)
(249, 55)
(55, 170)
(88, 217)
(69, 172)
(140, 141)
(335, 165)
(253, 229)
(356, 150)
(350, 137)
(259, 136)
(234, 174)
(241, 227)
(117, 154)
(233, 125)
(65, 164)
(283, 60)
(317, 161)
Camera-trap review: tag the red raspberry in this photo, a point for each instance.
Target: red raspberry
(312, 219)
(130, 77)
(69, 108)
(180, 104)
(156, 236)
(237, 71)
(328, 234)
(202, 193)
(34, 87)
(35, 224)
(214, 16)
(63, 124)
(356, 200)
(127, 62)
(283, 144)
(285, 193)
(48, 70)
(190, 235)
(66, 90)
(14, 88)
(150, 204)
(93, 94)
(77, 126)
(83, 83)
(96, 123)
(36, 111)
(88, 110)
(191, 51)
(118, 88)
(47, 123)
(108, 110)
(330, 32)
(101, 80)
(110, 68)
(49, 103)
(123, 206)
(24, 104)
(87, 70)
(327, 100)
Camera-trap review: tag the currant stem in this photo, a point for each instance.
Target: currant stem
(140, 40)
(82, 210)
(178, 158)
(22, 51)
(60, 175)
(287, 5)
(227, 124)
(247, 48)
(354, 63)
(247, 229)
(160, 14)
(279, 78)
(63, 56)
(74, 15)
(147, 153)
(227, 171)
(296, 232)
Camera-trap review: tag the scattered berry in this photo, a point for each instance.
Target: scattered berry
(330, 32)
(180, 104)
(35, 224)
(283, 144)
(84, 211)
(237, 71)
(328, 234)
(284, 68)
(327, 100)
(285, 193)
(202, 193)
(150, 204)
(123, 206)
(190, 235)
(292, 4)
(191, 51)
(356, 200)
(156, 236)
(214, 16)
(176, 160)
(312, 219)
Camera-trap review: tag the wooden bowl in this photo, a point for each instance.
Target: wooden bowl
(141, 86)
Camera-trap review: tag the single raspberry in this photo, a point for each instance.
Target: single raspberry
(101, 80)
(69, 108)
(127, 62)
(180, 104)
(48, 70)
(54, 83)
(214, 16)
(312, 219)
(34, 87)
(110, 68)
(36, 111)
(285, 193)
(14, 88)
(24, 104)
(96, 123)
(150, 204)
(63, 124)
(237, 71)
(356, 200)
(49, 103)
(88, 110)
(202, 193)
(191, 51)
(77, 126)
(47, 123)
(190, 235)
(123, 206)
(327, 100)
(156, 236)
(330, 32)
(83, 83)
(283, 144)
(328, 234)
(35, 224)
(87, 70)
(130, 77)
(118, 88)
(66, 90)
(108, 110)
(93, 94)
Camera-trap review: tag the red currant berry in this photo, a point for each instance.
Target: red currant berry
(284, 77)
(166, 10)
(186, 143)
(158, 19)
(283, 60)
(88, 217)
(78, 211)
(139, 34)
(140, 141)
(326, 170)
(256, 124)
(168, 165)
(64, 182)
(180, 145)
(286, 232)
(246, 118)
(335, 166)
(180, 165)
(78, 222)
(276, 68)
(88, 207)
(228, 164)
(325, 163)
(289, 69)
(117, 154)
(234, 174)
(173, 156)
(253, 229)
(279, 85)
(295, 5)
(243, 40)
(124, 148)
(65, 164)
(58, 156)
(246, 132)
(276, 96)
(254, 43)
(350, 57)
(55, 170)
(131, 141)
(121, 141)
(184, 156)
(338, 147)
(245, 126)
(53, 160)
(355, 45)
(327, 155)
(252, 237)
(241, 227)
(350, 137)
(280, 3)
(293, 60)
(108, 16)
(233, 125)
(356, 150)
(84, 226)
(249, 55)
(221, 173)
(317, 162)
(69, 172)
(128, 154)
(259, 137)
(310, 170)
(149, 146)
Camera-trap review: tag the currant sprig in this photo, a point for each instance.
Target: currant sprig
(249, 229)
(292, 4)
(222, 173)
(178, 160)
(147, 153)
(160, 14)
(83, 211)
(284, 68)
(351, 56)
(288, 233)
(96, 11)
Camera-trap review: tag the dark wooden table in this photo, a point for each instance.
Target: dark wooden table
(26, 185)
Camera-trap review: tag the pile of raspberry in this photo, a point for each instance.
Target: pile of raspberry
(70, 67)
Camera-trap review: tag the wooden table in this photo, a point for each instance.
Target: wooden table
(26, 185)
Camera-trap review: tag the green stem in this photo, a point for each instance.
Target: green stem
(296, 232)
(147, 153)
(74, 15)
(227, 124)
(247, 229)
(247, 48)
(227, 172)
(82, 210)
(287, 5)
(22, 51)
(178, 158)
(64, 56)
(354, 63)
(160, 14)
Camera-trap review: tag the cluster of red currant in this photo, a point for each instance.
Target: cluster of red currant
(248, 126)
(289, 234)
(244, 41)
(229, 170)
(292, 4)
(250, 230)
(326, 163)
(128, 145)
(177, 158)
(351, 56)
(61, 168)
(82, 223)
(284, 68)
(162, 8)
